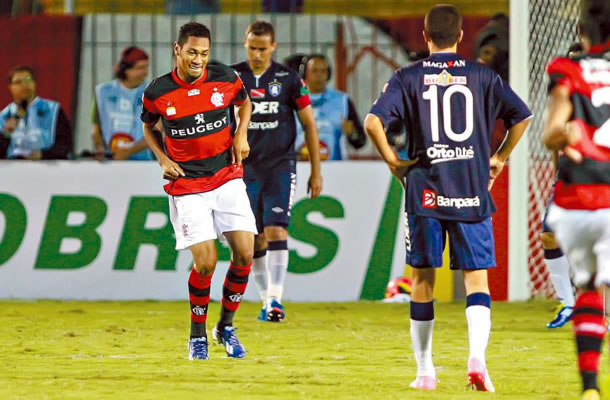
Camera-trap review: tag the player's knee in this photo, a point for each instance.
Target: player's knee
(548, 240)
(260, 242)
(205, 265)
(243, 255)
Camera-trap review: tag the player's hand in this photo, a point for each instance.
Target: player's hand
(121, 154)
(36, 155)
(171, 170)
(10, 125)
(314, 185)
(241, 148)
(399, 168)
(495, 168)
(562, 140)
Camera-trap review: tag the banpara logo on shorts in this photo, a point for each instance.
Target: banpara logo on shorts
(431, 199)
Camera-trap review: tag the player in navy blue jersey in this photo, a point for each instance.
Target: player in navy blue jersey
(448, 106)
(270, 171)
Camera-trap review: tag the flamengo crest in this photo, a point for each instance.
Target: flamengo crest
(218, 99)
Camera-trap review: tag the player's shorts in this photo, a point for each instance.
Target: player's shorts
(471, 244)
(200, 217)
(271, 193)
(584, 235)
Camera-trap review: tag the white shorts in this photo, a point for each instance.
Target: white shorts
(584, 235)
(200, 217)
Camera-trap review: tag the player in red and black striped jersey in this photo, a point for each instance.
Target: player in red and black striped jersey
(578, 124)
(203, 163)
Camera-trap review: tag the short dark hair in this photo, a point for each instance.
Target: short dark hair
(595, 20)
(193, 29)
(443, 24)
(261, 28)
(20, 68)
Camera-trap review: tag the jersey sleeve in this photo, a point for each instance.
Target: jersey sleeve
(509, 107)
(390, 106)
(561, 72)
(299, 96)
(150, 114)
(240, 95)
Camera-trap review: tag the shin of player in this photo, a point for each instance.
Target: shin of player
(447, 191)
(578, 121)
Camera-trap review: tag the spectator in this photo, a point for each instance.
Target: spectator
(117, 130)
(491, 45)
(31, 127)
(335, 115)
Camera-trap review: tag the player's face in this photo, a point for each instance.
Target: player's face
(138, 73)
(317, 74)
(22, 86)
(259, 50)
(192, 57)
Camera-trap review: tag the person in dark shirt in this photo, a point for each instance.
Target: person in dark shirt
(277, 92)
(448, 106)
(32, 127)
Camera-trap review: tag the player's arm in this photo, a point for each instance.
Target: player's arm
(313, 147)
(170, 169)
(241, 148)
(376, 132)
(556, 134)
(497, 161)
(124, 154)
(99, 148)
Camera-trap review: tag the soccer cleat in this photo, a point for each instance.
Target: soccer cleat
(262, 316)
(198, 349)
(424, 383)
(478, 376)
(229, 340)
(275, 310)
(564, 315)
(591, 394)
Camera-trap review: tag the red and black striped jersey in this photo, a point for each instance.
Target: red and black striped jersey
(586, 185)
(197, 125)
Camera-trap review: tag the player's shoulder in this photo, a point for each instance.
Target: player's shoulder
(219, 72)
(241, 67)
(564, 65)
(160, 86)
(106, 85)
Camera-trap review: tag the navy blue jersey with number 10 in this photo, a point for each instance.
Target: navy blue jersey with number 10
(448, 106)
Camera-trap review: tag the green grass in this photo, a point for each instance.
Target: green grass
(137, 350)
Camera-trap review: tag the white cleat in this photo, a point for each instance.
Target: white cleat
(424, 383)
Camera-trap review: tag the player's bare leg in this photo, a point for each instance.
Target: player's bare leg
(478, 315)
(236, 281)
(277, 267)
(204, 262)
(559, 270)
(422, 325)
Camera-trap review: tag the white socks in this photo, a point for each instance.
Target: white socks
(559, 269)
(277, 267)
(479, 327)
(259, 273)
(421, 339)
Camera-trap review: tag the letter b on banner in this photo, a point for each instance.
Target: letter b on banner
(57, 229)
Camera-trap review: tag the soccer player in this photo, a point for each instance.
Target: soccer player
(578, 124)
(207, 196)
(270, 173)
(448, 106)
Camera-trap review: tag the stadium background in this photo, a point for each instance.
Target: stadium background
(73, 44)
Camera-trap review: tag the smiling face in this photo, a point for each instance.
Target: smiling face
(192, 57)
(259, 50)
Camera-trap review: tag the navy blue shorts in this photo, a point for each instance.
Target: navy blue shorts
(271, 193)
(471, 244)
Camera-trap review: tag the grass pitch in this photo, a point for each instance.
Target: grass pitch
(137, 350)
